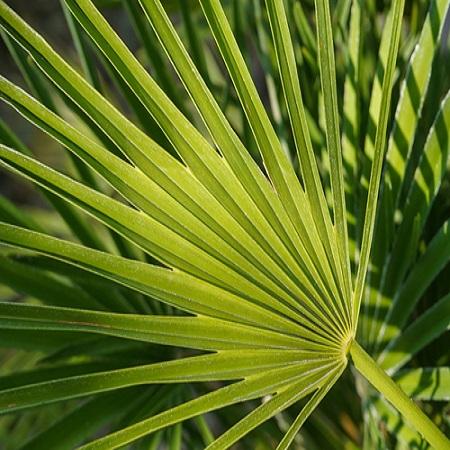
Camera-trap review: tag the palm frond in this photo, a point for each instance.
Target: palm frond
(229, 279)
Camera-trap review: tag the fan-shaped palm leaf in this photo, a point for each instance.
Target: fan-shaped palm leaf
(243, 272)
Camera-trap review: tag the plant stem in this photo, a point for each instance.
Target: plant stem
(386, 386)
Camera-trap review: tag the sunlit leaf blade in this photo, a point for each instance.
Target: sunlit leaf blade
(306, 411)
(152, 51)
(351, 123)
(274, 405)
(90, 71)
(134, 186)
(175, 288)
(30, 73)
(257, 370)
(195, 41)
(329, 91)
(100, 111)
(380, 141)
(193, 192)
(193, 148)
(144, 230)
(195, 332)
(45, 374)
(277, 163)
(297, 115)
(144, 233)
(384, 384)
(254, 386)
(374, 110)
(226, 139)
(227, 294)
(265, 51)
(228, 143)
(42, 90)
(368, 152)
(308, 166)
(105, 292)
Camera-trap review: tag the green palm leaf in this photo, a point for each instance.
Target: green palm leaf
(242, 283)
